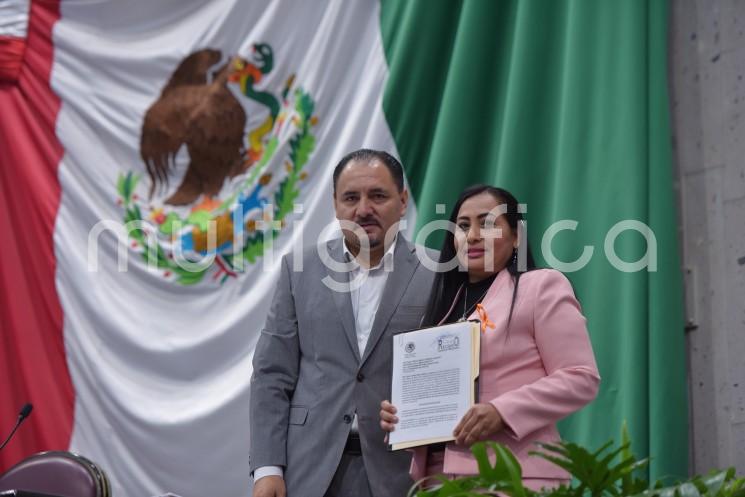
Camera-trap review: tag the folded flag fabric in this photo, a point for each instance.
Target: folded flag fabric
(127, 129)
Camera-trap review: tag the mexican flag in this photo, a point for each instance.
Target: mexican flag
(158, 158)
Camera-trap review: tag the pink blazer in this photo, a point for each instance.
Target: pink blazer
(537, 372)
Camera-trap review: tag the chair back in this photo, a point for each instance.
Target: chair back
(64, 474)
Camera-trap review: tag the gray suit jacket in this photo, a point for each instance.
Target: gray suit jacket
(309, 378)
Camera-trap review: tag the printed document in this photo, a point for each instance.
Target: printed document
(434, 382)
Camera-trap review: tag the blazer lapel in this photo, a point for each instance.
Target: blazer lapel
(342, 299)
(404, 264)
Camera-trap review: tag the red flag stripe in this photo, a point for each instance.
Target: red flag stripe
(11, 55)
(33, 366)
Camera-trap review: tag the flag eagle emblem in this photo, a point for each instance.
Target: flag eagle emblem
(210, 222)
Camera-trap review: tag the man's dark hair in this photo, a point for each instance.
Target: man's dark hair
(366, 155)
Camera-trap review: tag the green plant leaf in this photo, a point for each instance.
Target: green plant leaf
(513, 468)
(688, 489)
(482, 460)
(605, 472)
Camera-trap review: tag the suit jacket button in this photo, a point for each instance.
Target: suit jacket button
(360, 377)
(347, 418)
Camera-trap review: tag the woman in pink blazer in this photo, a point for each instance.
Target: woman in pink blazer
(537, 364)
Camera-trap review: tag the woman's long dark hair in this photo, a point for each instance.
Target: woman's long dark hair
(447, 283)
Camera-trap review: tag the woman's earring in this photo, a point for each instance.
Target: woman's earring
(514, 257)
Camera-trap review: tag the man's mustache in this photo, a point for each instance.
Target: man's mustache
(367, 221)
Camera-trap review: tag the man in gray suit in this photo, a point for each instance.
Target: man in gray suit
(323, 361)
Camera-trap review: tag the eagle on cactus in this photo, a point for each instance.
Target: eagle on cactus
(203, 109)
(196, 109)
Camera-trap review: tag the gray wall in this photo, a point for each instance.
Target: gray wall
(707, 94)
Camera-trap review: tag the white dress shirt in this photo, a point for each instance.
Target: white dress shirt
(365, 295)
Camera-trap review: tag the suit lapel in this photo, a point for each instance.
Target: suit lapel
(404, 265)
(342, 300)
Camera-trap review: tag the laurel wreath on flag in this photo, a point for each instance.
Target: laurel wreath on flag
(158, 251)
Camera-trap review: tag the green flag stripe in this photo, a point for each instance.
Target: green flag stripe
(565, 104)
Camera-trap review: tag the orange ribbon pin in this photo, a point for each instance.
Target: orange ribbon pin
(484, 318)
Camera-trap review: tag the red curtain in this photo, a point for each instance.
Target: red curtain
(32, 354)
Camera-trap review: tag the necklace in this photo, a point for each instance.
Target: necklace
(468, 310)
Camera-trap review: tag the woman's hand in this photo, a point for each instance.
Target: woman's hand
(388, 417)
(481, 421)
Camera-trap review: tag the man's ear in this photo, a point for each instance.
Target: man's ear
(333, 199)
(404, 201)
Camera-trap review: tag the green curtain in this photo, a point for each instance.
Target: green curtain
(564, 103)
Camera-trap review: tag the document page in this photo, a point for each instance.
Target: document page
(434, 373)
